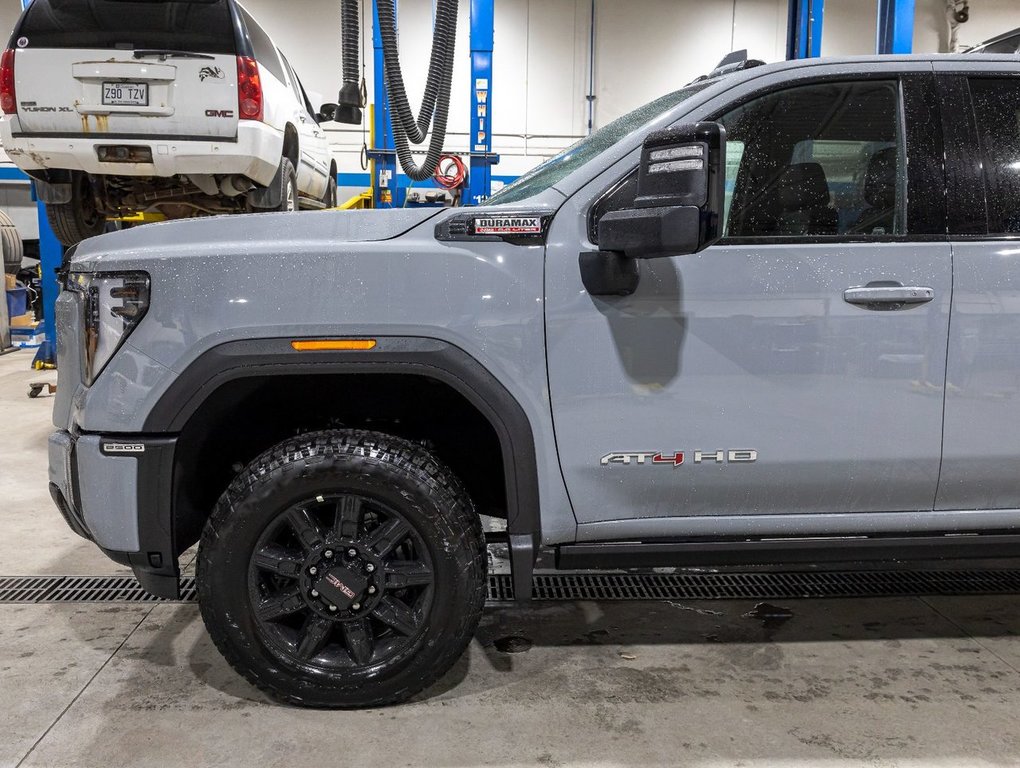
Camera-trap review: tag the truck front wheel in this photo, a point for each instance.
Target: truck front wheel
(79, 218)
(343, 569)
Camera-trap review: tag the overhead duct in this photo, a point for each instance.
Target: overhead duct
(349, 101)
(435, 106)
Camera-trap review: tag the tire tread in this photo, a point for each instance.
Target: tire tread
(414, 460)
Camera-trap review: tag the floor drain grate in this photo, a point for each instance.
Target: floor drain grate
(26, 589)
(82, 589)
(123, 589)
(593, 586)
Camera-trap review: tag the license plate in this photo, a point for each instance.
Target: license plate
(126, 94)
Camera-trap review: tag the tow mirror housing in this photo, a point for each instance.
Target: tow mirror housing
(679, 203)
(678, 208)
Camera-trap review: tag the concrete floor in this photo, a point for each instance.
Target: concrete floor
(882, 682)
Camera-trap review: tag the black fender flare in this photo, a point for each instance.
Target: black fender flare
(416, 356)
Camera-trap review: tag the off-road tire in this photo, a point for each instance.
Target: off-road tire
(289, 198)
(78, 219)
(399, 473)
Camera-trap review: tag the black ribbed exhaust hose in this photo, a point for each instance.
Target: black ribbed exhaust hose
(435, 107)
(349, 103)
(349, 34)
(444, 37)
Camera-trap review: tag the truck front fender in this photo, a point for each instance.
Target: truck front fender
(424, 357)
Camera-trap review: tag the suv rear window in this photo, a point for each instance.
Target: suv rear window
(199, 26)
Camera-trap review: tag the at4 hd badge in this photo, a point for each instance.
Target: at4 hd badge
(675, 459)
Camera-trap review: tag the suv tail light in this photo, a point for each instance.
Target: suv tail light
(8, 99)
(249, 89)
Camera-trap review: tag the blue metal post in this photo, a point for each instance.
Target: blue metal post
(480, 132)
(51, 258)
(383, 153)
(895, 26)
(804, 29)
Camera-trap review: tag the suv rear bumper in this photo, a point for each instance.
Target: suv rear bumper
(117, 492)
(255, 153)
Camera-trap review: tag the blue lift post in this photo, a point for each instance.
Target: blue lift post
(804, 29)
(480, 132)
(895, 26)
(51, 258)
(383, 153)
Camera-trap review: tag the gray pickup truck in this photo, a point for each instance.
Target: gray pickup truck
(771, 318)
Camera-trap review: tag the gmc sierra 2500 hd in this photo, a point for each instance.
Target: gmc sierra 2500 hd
(769, 318)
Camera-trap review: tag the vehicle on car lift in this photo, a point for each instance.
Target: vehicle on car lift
(716, 331)
(176, 107)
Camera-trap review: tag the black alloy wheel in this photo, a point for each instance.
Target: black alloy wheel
(340, 581)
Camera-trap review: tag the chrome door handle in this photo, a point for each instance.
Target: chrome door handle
(888, 296)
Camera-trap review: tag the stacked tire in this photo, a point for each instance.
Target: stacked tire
(10, 241)
(79, 218)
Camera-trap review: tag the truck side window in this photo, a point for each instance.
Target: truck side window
(997, 110)
(265, 51)
(296, 87)
(824, 159)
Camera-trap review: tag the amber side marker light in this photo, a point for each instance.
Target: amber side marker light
(313, 345)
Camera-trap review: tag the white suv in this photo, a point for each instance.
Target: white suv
(181, 108)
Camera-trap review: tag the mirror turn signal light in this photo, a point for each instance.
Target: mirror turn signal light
(319, 345)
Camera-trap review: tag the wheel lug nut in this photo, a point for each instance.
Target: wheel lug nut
(369, 567)
(356, 607)
(352, 552)
(313, 570)
(371, 590)
(315, 593)
(328, 554)
(332, 608)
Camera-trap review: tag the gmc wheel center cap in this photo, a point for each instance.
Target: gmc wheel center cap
(342, 587)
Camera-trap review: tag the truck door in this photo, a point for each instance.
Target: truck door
(755, 378)
(979, 467)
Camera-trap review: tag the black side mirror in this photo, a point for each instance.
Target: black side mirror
(346, 110)
(338, 113)
(678, 208)
(326, 113)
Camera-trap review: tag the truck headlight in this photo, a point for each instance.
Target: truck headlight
(112, 305)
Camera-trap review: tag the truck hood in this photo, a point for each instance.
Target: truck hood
(240, 234)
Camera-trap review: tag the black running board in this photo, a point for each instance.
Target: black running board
(310, 204)
(774, 552)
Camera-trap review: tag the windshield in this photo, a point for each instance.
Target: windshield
(569, 160)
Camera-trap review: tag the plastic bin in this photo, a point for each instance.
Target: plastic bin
(27, 337)
(17, 302)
